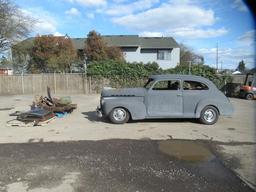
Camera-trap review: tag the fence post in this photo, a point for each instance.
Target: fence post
(67, 91)
(54, 79)
(83, 80)
(41, 84)
(90, 85)
(22, 83)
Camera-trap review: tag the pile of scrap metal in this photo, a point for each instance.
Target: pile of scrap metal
(55, 105)
(33, 117)
(64, 104)
(43, 110)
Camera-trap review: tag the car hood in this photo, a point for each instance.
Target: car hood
(128, 92)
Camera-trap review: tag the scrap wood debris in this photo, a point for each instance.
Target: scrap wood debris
(43, 110)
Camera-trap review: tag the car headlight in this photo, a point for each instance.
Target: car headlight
(102, 101)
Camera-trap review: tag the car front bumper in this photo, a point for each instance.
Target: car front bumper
(99, 112)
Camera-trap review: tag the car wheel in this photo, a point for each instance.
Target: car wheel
(119, 115)
(249, 96)
(209, 115)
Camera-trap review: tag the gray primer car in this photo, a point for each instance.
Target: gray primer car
(166, 96)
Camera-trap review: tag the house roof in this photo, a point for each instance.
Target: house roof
(122, 40)
(157, 42)
(128, 41)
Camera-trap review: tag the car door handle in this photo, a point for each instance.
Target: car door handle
(179, 95)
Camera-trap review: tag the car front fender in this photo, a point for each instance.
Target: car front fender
(135, 105)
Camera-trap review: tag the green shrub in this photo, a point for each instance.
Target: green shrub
(123, 74)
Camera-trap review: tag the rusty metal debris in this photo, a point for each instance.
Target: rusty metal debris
(34, 117)
(54, 105)
(43, 110)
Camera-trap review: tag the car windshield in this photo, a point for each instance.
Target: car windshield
(149, 83)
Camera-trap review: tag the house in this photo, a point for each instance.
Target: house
(163, 50)
(6, 71)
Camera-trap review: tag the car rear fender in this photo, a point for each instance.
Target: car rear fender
(203, 103)
(224, 107)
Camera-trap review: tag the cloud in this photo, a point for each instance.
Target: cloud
(168, 16)
(124, 9)
(45, 22)
(178, 18)
(213, 51)
(151, 34)
(89, 3)
(230, 56)
(72, 12)
(194, 33)
(58, 34)
(248, 38)
(90, 15)
(239, 5)
(120, 1)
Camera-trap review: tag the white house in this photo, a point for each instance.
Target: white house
(163, 50)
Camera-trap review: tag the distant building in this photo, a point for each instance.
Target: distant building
(236, 73)
(163, 50)
(6, 71)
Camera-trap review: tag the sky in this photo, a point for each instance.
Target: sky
(199, 24)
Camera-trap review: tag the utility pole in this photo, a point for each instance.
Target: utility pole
(217, 56)
(189, 67)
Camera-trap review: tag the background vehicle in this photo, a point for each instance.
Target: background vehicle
(248, 89)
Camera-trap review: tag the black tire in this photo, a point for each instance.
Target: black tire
(119, 115)
(249, 96)
(209, 115)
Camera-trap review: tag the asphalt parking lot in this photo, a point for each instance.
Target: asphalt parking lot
(233, 138)
(114, 165)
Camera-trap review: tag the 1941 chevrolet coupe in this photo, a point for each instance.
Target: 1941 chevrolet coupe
(166, 96)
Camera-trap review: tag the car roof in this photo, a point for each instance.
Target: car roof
(181, 77)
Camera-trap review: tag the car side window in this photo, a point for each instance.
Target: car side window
(194, 85)
(167, 85)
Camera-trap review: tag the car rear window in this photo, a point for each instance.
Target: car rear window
(194, 85)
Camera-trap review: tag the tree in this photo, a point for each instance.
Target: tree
(95, 47)
(14, 24)
(187, 55)
(52, 54)
(21, 55)
(4, 61)
(114, 53)
(241, 66)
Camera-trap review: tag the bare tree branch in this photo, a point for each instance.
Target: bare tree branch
(14, 24)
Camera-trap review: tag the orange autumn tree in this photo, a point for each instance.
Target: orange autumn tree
(96, 49)
(52, 54)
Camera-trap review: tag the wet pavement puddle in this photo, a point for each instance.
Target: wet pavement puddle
(189, 151)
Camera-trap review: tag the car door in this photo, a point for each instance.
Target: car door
(164, 99)
(193, 92)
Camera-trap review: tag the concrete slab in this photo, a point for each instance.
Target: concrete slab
(83, 124)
